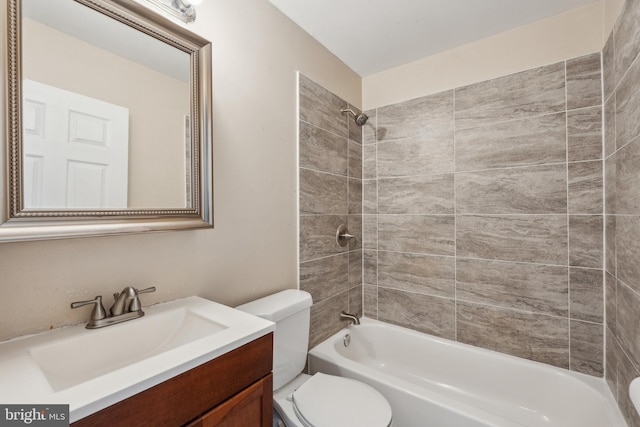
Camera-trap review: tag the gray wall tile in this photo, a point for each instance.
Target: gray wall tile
(370, 232)
(318, 236)
(531, 189)
(525, 94)
(369, 128)
(529, 287)
(587, 346)
(628, 106)
(424, 313)
(628, 250)
(628, 317)
(425, 274)
(370, 301)
(610, 243)
(584, 81)
(611, 286)
(533, 140)
(370, 267)
(322, 151)
(355, 131)
(322, 193)
(430, 194)
(584, 134)
(325, 277)
(527, 238)
(416, 233)
(426, 118)
(416, 156)
(355, 268)
(585, 187)
(354, 225)
(626, 34)
(370, 196)
(325, 318)
(610, 126)
(369, 162)
(355, 196)
(586, 294)
(531, 336)
(355, 300)
(585, 240)
(611, 363)
(627, 179)
(321, 108)
(610, 185)
(355, 160)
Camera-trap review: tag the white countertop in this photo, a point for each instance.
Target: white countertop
(24, 380)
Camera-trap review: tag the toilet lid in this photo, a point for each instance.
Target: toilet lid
(330, 401)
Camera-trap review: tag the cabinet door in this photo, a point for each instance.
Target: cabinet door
(251, 407)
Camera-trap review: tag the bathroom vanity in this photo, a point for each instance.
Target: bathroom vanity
(186, 362)
(233, 390)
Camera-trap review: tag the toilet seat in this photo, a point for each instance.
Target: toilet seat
(329, 401)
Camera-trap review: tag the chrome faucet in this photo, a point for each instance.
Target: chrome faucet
(127, 300)
(126, 307)
(352, 317)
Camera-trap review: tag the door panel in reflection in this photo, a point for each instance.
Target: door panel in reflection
(75, 150)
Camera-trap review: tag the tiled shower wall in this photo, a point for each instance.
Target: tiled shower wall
(483, 214)
(330, 156)
(621, 72)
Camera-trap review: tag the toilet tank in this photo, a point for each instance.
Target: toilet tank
(290, 310)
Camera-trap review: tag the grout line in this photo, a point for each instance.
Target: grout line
(455, 228)
(377, 214)
(327, 173)
(566, 100)
(603, 133)
(297, 183)
(323, 129)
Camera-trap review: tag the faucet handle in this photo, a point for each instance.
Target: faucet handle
(98, 312)
(135, 303)
(144, 291)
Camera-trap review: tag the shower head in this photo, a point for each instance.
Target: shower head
(360, 119)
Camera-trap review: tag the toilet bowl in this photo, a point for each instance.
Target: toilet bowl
(319, 400)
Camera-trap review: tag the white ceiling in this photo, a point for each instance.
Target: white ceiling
(374, 35)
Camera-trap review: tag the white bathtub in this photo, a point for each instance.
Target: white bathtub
(435, 382)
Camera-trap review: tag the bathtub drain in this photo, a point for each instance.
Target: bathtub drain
(347, 340)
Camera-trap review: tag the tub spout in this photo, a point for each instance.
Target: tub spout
(354, 318)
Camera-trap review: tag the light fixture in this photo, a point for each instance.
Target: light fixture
(182, 9)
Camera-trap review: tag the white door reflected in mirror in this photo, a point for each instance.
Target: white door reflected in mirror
(75, 150)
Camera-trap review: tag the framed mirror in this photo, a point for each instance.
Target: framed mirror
(108, 121)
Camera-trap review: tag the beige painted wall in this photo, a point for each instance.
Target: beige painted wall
(612, 9)
(560, 37)
(253, 249)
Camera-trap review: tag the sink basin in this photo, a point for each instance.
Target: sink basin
(90, 369)
(72, 361)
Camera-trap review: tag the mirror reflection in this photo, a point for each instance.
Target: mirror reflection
(106, 113)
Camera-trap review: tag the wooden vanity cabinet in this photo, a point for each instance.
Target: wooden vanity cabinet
(233, 390)
(246, 408)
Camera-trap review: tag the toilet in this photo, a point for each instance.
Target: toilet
(319, 400)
